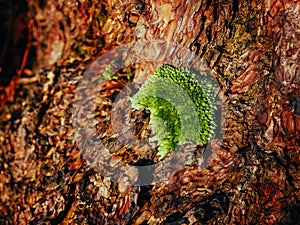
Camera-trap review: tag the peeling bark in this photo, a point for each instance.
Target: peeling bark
(251, 175)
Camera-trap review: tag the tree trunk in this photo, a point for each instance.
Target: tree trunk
(251, 173)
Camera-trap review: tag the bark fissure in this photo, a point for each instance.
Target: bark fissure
(251, 176)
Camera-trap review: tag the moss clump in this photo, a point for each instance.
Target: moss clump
(182, 107)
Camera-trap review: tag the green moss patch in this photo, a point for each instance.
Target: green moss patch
(182, 107)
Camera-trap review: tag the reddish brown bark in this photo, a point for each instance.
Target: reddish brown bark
(252, 174)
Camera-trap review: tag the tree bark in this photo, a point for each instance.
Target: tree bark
(252, 173)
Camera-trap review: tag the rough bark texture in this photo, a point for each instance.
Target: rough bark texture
(253, 175)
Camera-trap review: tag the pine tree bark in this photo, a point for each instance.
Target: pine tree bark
(251, 48)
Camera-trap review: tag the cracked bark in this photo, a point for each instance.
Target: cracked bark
(252, 48)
